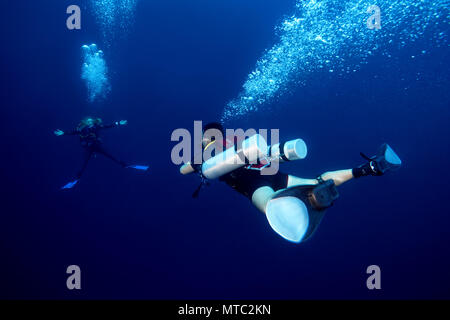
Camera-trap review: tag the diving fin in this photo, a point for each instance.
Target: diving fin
(288, 216)
(323, 195)
(203, 183)
(70, 185)
(295, 213)
(385, 160)
(197, 191)
(142, 168)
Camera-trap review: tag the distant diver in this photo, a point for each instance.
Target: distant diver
(293, 206)
(88, 130)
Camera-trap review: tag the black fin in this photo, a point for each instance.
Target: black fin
(197, 191)
(365, 157)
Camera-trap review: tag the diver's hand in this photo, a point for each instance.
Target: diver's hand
(123, 122)
(58, 132)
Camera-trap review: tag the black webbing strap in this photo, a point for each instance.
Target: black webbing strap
(282, 155)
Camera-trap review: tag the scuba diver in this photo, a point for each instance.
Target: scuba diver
(88, 130)
(294, 206)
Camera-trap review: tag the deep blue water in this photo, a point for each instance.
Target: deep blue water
(142, 235)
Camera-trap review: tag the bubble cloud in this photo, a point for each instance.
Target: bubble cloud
(333, 35)
(95, 73)
(114, 16)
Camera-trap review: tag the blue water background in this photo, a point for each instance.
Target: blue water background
(142, 235)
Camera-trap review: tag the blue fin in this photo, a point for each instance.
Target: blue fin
(143, 168)
(387, 159)
(70, 185)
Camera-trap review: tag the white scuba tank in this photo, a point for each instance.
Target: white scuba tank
(252, 149)
(291, 150)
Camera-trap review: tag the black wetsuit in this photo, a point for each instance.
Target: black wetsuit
(91, 142)
(247, 181)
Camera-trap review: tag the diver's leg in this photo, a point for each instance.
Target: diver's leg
(288, 216)
(261, 197)
(102, 151)
(339, 177)
(385, 160)
(87, 157)
(294, 181)
(265, 189)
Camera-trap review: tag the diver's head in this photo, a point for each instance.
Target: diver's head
(89, 122)
(215, 128)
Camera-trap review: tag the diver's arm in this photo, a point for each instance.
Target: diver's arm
(186, 169)
(115, 124)
(190, 166)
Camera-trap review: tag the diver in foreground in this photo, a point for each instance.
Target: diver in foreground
(293, 206)
(88, 130)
